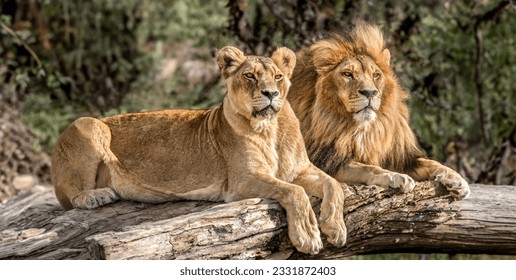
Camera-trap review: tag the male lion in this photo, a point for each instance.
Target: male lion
(250, 146)
(354, 116)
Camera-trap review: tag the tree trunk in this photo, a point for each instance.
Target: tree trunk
(33, 226)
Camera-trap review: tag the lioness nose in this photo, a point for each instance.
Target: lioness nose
(369, 93)
(270, 94)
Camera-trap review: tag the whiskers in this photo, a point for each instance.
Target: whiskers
(358, 103)
(364, 108)
(260, 102)
(265, 107)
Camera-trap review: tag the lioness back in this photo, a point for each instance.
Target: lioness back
(169, 149)
(148, 157)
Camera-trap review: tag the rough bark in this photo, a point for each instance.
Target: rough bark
(33, 226)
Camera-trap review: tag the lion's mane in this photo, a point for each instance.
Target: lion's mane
(332, 137)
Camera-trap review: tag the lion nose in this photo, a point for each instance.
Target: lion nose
(270, 94)
(369, 93)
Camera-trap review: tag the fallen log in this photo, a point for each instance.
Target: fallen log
(33, 226)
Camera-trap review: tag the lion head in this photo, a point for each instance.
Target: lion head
(350, 104)
(257, 86)
(355, 72)
(360, 85)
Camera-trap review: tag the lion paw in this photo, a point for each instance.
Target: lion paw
(304, 234)
(94, 198)
(455, 184)
(399, 181)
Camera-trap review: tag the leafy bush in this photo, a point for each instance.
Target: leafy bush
(46, 124)
(440, 69)
(95, 53)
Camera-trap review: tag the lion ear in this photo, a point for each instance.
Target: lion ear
(386, 55)
(285, 59)
(229, 59)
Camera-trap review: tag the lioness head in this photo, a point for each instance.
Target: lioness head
(357, 70)
(256, 85)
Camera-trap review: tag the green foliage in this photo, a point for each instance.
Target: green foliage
(203, 22)
(443, 55)
(16, 65)
(101, 57)
(47, 123)
(452, 96)
(94, 46)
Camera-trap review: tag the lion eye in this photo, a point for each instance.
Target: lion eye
(278, 77)
(376, 75)
(347, 74)
(249, 76)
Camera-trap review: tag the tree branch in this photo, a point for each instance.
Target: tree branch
(25, 46)
(33, 226)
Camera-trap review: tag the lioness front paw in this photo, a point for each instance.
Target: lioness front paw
(304, 234)
(94, 198)
(332, 222)
(455, 184)
(399, 181)
(335, 231)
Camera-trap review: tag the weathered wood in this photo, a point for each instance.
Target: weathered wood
(33, 226)
(231, 230)
(427, 221)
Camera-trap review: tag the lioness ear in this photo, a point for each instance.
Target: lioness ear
(285, 59)
(386, 54)
(229, 59)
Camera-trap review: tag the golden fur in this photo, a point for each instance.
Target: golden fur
(354, 117)
(250, 146)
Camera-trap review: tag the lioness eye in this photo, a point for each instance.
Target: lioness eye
(249, 76)
(376, 75)
(347, 74)
(278, 77)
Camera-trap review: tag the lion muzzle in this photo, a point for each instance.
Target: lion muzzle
(369, 93)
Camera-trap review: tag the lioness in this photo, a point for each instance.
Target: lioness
(354, 116)
(250, 146)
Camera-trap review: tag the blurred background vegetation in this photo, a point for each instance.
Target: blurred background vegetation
(62, 59)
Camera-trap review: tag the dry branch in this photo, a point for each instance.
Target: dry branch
(33, 226)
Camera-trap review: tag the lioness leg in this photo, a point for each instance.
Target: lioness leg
(428, 169)
(358, 173)
(302, 223)
(319, 184)
(75, 160)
